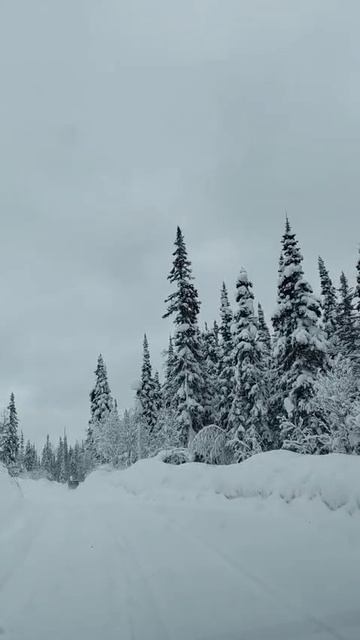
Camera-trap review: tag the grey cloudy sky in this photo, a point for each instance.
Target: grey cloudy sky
(120, 119)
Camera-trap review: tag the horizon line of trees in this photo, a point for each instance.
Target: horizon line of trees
(59, 462)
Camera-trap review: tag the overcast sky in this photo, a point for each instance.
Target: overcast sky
(120, 119)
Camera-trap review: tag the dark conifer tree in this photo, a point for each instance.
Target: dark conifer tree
(188, 381)
(357, 290)
(210, 358)
(157, 392)
(347, 331)
(168, 387)
(329, 303)
(263, 331)
(147, 391)
(226, 368)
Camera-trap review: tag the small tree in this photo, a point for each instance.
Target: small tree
(226, 365)
(149, 391)
(329, 303)
(100, 405)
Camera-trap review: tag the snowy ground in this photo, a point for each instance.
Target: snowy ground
(159, 553)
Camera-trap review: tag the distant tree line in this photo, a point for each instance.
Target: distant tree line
(56, 462)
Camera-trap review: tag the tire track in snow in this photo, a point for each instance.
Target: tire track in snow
(139, 589)
(273, 593)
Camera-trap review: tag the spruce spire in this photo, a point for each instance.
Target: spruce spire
(184, 305)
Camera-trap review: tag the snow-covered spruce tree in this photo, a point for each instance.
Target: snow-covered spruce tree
(249, 408)
(329, 304)
(147, 405)
(109, 445)
(167, 432)
(76, 463)
(31, 462)
(147, 391)
(210, 359)
(226, 368)
(157, 392)
(300, 348)
(357, 289)
(184, 305)
(100, 406)
(269, 374)
(347, 330)
(168, 386)
(264, 331)
(62, 460)
(21, 451)
(48, 459)
(129, 437)
(10, 437)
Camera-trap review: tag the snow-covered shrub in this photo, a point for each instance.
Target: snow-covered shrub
(299, 437)
(336, 408)
(335, 415)
(210, 445)
(175, 456)
(243, 444)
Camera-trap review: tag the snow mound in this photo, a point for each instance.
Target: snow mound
(10, 495)
(333, 479)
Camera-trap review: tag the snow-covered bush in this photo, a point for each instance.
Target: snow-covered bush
(336, 407)
(175, 456)
(210, 445)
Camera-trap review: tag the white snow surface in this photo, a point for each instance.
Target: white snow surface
(265, 550)
(10, 496)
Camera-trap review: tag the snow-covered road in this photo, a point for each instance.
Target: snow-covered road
(77, 566)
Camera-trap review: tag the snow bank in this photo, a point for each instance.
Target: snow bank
(10, 495)
(333, 479)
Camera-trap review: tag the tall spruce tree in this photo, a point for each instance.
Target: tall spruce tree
(329, 303)
(249, 408)
(347, 330)
(263, 331)
(168, 387)
(357, 289)
(100, 404)
(157, 392)
(184, 305)
(210, 358)
(300, 345)
(226, 368)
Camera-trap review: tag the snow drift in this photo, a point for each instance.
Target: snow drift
(10, 495)
(333, 479)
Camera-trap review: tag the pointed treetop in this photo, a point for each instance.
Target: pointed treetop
(287, 224)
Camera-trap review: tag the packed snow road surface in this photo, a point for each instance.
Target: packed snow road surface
(102, 563)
